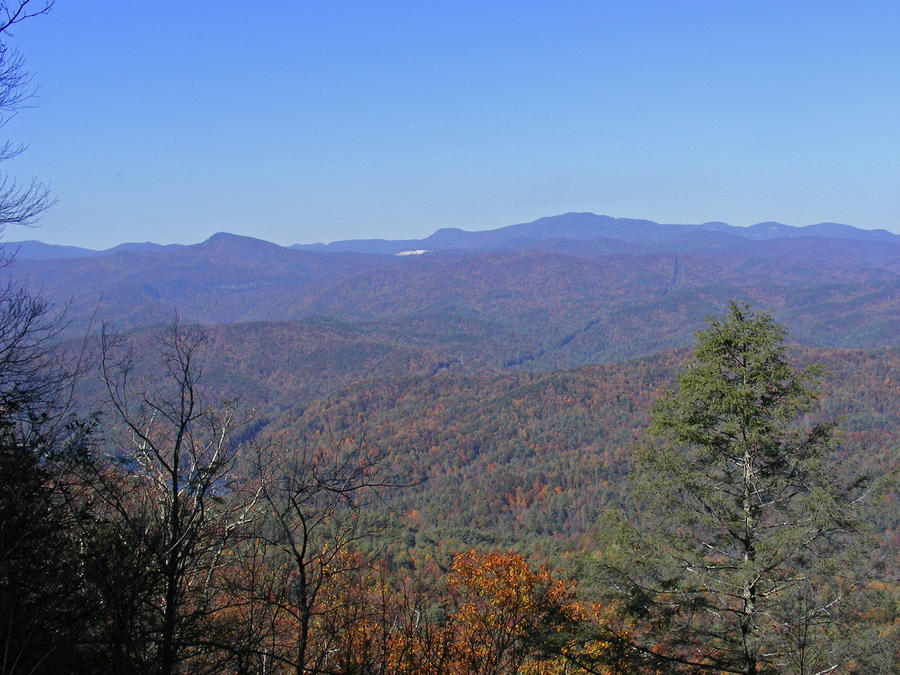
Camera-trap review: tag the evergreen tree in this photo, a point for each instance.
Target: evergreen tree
(740, 559)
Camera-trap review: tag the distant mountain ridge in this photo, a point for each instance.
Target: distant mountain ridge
(608, 235)
(568, 304)
(559, 292)
(38, 250)
(619, 234)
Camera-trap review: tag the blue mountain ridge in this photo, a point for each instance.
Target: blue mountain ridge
(569, 232)
(618, 233)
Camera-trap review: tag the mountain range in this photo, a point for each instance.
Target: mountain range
(562, 291)
(621, 235)
(510, 367)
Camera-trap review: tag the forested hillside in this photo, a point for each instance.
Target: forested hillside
(534, 309)
(371, 463)
(580, 445)
(507, 459)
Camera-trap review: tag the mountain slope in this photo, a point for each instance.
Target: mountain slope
(547, 309)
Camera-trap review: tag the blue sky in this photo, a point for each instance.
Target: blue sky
(316, 121)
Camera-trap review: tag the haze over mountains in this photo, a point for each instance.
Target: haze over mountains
(608, 234)
(497, 363)
(618, 234)
(558, 292)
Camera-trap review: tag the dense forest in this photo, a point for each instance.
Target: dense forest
(443, 521)
(578, 445)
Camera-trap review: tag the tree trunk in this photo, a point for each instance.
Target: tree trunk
(749, 590)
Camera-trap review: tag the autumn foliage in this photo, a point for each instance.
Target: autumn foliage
(503, 609)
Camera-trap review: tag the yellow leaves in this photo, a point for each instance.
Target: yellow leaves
(502, 603)
(492, 616)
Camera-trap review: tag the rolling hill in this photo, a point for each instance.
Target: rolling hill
(507, 372)
(558, 302)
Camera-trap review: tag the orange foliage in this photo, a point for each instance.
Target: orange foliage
(503, 606)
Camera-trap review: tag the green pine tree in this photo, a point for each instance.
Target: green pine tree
(741, 557)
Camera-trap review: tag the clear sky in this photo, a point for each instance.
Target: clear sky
(319, 120)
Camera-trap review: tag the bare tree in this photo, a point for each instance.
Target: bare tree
(173, 497)
(19, 204)
(42, 605)
(316, 503)
(46, 609)
(36, 376)
(43, 602)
